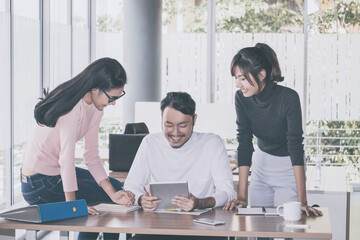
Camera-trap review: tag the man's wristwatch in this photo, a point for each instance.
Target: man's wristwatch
(139, 200)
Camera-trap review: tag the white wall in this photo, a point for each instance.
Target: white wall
(216, 118)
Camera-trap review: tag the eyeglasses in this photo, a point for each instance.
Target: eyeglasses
(114, 98)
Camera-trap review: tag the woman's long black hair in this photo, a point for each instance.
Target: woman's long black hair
(254, 59)
(104, 73)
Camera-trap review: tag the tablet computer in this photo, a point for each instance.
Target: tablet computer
(165, 191)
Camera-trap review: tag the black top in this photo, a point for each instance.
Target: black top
(274, 117)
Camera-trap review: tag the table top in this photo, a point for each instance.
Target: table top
(140, 222)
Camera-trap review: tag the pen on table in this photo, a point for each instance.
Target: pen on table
(147, 194)
(301, 226)
(171, 209)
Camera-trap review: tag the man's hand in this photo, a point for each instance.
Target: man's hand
(126, 198)
(236, 203)
(185, 204)
(149, 204)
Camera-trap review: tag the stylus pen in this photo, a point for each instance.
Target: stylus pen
(303, 226)
(127, 196)
(147, 194)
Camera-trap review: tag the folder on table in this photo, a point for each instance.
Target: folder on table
(48, 212)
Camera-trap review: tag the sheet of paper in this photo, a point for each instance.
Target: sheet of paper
(109, 207)
(300, 226)
(195, 212)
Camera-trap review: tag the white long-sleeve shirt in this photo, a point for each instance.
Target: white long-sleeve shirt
(202, 162)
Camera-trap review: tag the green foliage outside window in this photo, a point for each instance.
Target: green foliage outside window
(345, 15)
(334, 143)
(240, 16)
(107, 126)
(251, 16)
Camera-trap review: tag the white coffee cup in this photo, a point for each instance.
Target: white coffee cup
(291, 211)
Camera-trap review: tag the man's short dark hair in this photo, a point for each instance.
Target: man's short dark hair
(180, 101)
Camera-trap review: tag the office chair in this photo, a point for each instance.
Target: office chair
(122, 150)
(123, 147)
(136, 128)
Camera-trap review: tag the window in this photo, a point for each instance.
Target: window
(331, 95)
(333, 112)
(26, 79)
(5, 108)
(184, 49)
(80, 36)
(60, 43)
(276, 23)
(109, 43)
(109, 29)
(331, 62)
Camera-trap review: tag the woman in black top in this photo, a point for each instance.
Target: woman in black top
(272, 113)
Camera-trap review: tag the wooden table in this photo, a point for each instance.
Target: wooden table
(140, 222)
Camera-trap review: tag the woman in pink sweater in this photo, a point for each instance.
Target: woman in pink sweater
(71, 111)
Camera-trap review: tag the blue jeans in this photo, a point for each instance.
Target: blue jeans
(40, 188)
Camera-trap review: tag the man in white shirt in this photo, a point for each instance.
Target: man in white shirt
(179, 154)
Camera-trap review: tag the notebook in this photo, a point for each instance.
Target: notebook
(257, 211)
(110, 207)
